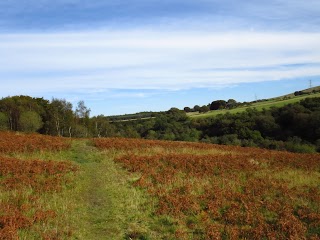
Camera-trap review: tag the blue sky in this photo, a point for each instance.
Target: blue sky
(149, 55)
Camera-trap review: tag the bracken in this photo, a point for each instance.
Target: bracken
(233, 195)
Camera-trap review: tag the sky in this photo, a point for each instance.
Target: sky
(129, 56)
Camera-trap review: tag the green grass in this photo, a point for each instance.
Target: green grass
(101, 203)
(259, 106)
(115, 210)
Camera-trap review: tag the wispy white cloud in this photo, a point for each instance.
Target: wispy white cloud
(153, 59)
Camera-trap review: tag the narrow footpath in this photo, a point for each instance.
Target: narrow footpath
(111, 207)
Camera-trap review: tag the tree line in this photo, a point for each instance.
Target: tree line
(55, 117)
(294, 127)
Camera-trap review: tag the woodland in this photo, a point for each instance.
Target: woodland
(294, 127)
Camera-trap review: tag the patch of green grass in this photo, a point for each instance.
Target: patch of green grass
(298, 178)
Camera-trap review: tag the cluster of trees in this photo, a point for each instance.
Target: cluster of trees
(216, 105)
(295, 127)
(298, 93)
(170, 125)
(55, 117)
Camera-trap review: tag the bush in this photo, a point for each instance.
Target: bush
(230, 139)
(318, 145)
(300, 148)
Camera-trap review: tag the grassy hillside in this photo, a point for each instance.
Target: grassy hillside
(275, 102)
(308, 90)
(112, 188)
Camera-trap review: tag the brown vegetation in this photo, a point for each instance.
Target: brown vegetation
(131, 144)
(24, 182)
(15, 142)
(235, 193)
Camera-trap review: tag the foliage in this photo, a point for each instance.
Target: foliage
(25, 182)
(207, 191)
(11, 142)
(218, 104)
(204, 109)
(187, 109)
(3, 121)
(272, 128)
(30, 121)
(13, 107)
(268, 128)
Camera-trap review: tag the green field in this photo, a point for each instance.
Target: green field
(259, 106)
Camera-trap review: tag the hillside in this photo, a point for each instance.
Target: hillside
(132, 117)
(113, 188)
(308, 90)
(262, 104)
(259, 104)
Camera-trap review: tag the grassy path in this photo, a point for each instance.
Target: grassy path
(100, 203)
(111, 207)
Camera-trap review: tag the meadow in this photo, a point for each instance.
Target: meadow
(115, 188)
(277, 102)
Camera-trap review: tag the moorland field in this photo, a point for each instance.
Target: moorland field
(117, 188)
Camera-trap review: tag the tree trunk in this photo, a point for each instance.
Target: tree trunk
(70, 131)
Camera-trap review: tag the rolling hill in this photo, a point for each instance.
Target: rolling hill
(263, 104)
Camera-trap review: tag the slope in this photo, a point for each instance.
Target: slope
(274, 102)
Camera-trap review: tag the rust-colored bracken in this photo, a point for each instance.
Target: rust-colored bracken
(16, 142)
(23, 182)
(231, 193)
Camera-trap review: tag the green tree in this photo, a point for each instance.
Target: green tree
(3, 121)
(30, 121)
(151, 134)
(187, 109)
(61, 118)
(83, 115)
(231, 103)
(79, 131)
(219, 104)
(82, 112)
(196, 108)
(204, 109)
(101, 127)
(14, 106)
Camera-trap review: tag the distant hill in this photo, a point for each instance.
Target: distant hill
(263, 103)
(258, 104)
(306, 91)
(132, 117)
